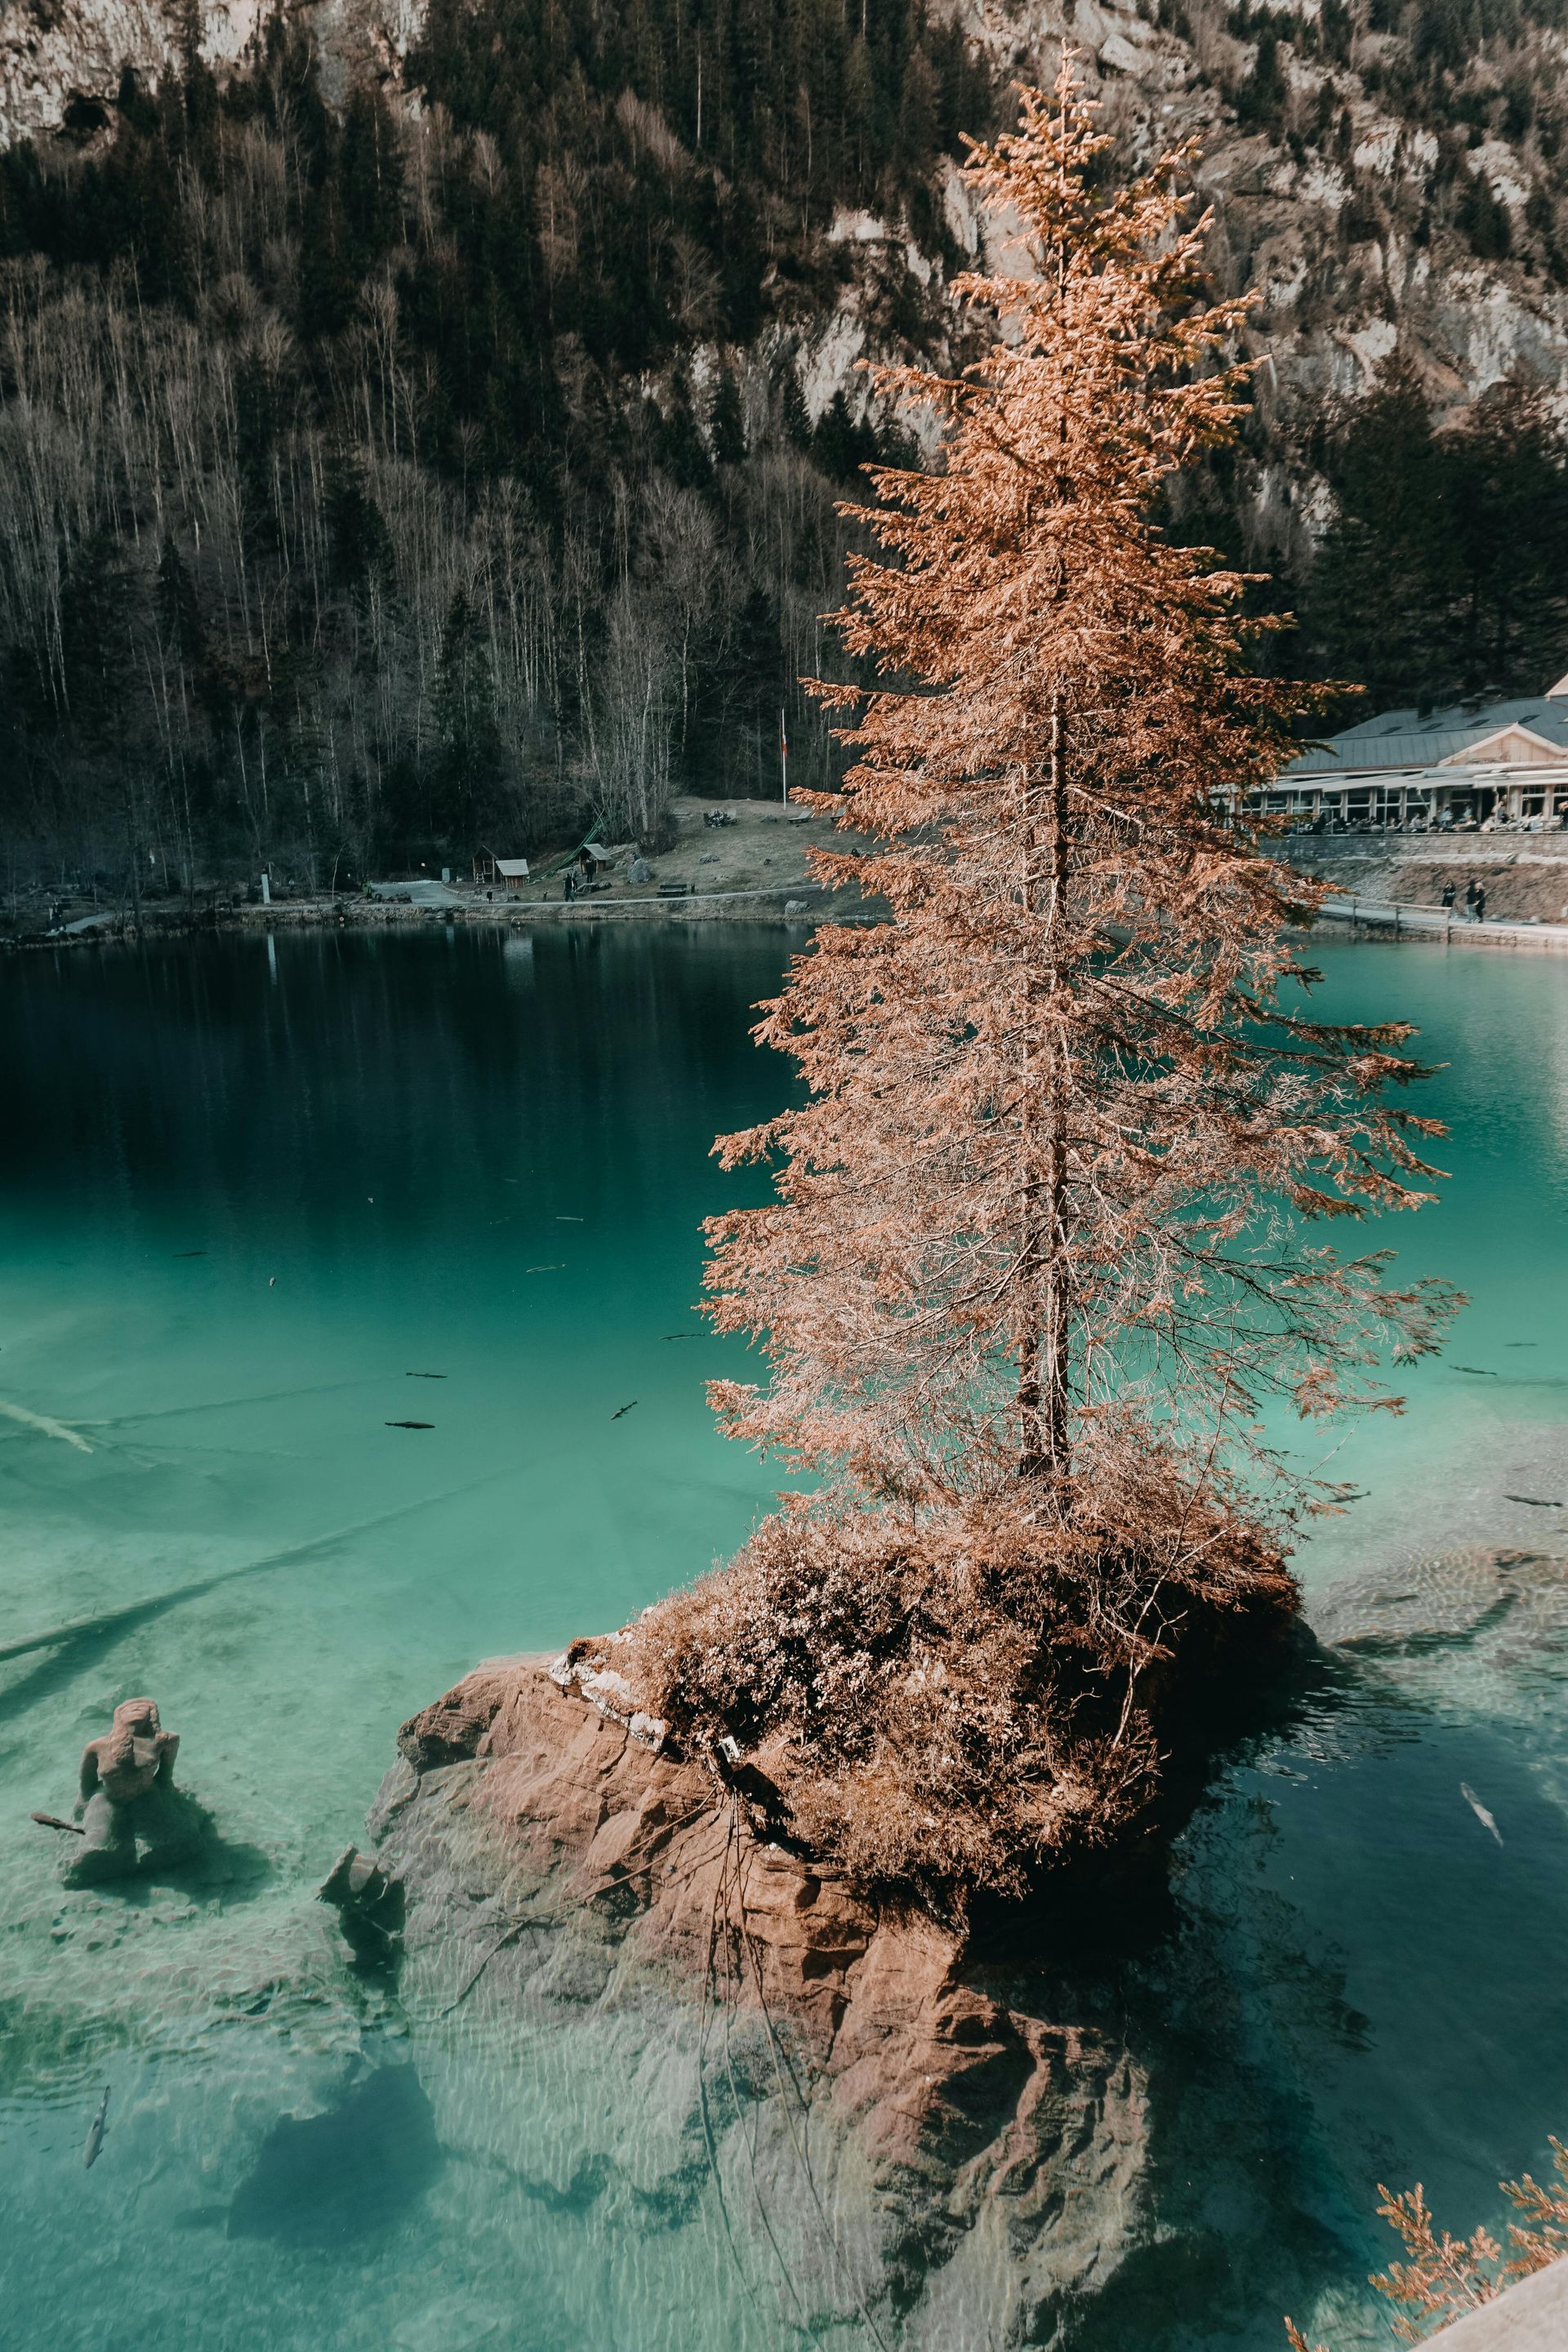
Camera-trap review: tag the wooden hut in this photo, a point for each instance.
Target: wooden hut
(499, 873)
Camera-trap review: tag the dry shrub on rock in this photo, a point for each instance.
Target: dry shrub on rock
(954, 1702)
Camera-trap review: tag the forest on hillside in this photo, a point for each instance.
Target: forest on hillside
(381, 479)
(361, 495)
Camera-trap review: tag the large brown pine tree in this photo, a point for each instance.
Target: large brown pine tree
(1042, 1244)
(1054, 1100)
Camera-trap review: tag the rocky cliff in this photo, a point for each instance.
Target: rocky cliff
(1382, 174)
(1387, 181)
(62, 61)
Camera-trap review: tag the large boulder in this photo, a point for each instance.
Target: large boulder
(893, 2143)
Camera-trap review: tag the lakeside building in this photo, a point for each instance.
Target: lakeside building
(1472, 763)
(502, 872)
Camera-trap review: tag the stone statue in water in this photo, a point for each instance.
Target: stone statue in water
(130, 1811)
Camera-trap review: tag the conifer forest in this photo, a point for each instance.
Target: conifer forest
(382, 478)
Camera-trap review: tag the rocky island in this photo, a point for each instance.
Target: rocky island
(916, 2144)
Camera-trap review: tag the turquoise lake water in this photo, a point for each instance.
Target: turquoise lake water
(247, 1191)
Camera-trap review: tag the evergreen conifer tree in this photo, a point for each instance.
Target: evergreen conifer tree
(357, 535)
(1050, 1098)
(794, 415)
(1508, 516)
(840, 445)
(726, 425)
(178, 610)
(371, 181)
(1380, 595)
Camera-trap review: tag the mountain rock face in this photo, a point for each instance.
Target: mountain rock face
(1379, 174)
(62, 61)
(1388, 184)
(1369, 190)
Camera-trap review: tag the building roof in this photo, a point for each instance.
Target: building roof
(1431, 739)
(514, 869)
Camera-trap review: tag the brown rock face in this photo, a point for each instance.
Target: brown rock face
(451, 1731)
(820, 2057)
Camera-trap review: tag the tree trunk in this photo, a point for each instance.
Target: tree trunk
(1044, 1449)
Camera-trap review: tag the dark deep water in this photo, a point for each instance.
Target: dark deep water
(246, 1190)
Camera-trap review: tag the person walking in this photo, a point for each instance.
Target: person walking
(1448, 900)
(1470, 897)
(1480, 904)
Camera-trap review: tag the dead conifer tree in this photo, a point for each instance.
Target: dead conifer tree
(1040, 1249)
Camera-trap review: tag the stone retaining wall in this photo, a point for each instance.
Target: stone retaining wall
(1531, 2318)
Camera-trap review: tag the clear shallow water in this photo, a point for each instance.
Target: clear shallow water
(488, 1158)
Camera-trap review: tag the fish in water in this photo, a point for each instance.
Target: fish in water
(190, 1252)
(91, 2152)
(410, 1424)
(424, 1376)
(569, 1220)
(1536, 1502)
(1479, 1810)
(53, 1822)
(1479, 1370)
(683, 1335)
(620, 1409)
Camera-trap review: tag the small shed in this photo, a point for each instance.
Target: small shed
(503, 873)
(590, 866)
